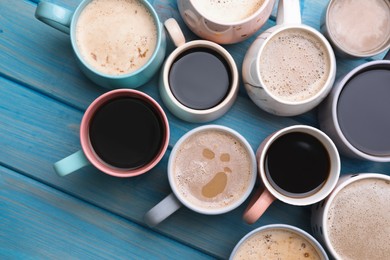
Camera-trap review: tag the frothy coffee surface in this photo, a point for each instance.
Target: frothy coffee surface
(359, 220)
(294, 65)
(276, 244)
(226, 11)
(212, 169)
(360, 26)
(116, 36)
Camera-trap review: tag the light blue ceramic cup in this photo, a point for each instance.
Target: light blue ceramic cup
(65, 20)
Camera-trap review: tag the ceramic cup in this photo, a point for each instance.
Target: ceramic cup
(211, 170)
(283, 241)
(355, 114)
(357, 29)
(225, 22)
(199, 80)
(111, 50)
(299, 165)
(290, 68)
(353, 221)
(123, 133)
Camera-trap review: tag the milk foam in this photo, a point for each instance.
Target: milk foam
(116, 36)
(359, 220)
(360, 26)
(203, 157)
(294, 65)
(226, 11)
(276, 244)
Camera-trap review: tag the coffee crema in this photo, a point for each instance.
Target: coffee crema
(358, 220)
(227, 11)
(212, 169)
(116, 37)
(276, 244)
(360, 26)
(294, 65)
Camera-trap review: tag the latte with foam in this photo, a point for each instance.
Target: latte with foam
(276, 244)
(212, 169)
(294, 65)
(227, 11)
(116, 37)
(358, 220)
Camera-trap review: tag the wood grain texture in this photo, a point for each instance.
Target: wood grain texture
(43, 95)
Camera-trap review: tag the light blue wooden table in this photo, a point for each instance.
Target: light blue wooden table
(89, 215)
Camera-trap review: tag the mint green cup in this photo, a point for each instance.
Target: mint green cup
(65, 21)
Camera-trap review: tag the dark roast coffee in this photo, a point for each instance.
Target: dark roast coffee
(126, 132)
(364, 111)
(200, 78)
(297, 163)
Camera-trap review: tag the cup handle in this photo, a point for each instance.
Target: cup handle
(71, 163)
(162, 210)
(174, 32)
(289, 12)
(257, 206)
(54, 15)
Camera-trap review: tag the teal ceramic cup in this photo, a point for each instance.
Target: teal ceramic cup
(66, 21)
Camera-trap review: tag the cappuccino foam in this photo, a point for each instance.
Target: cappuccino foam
(212, 169)
(227, 11)
(116, 36)
(360, 26)
(294, 65)
(276, 244)
(359, 220)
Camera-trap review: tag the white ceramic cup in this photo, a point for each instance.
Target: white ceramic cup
(300, 234)
(176, 200)
(179, 109)
(363, 231)
(269, 192)
(220, 31)
(288, 18)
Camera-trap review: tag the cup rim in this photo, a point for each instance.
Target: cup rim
(332, 62)
(213, 211)
(329, 200)
(87, 146)
(341, 47)
(243, 21)
(208, 45)
(320, 250)
(337, 91)
(159, 39)
(328, 185)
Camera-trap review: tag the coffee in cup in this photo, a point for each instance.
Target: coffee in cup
(117, 51)
(358, 28)
(354, 221)
(211, 170)
(274, 242)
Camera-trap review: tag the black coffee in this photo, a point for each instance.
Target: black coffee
(364, 111)
(200, 78)
(297, 163)
(126, 133)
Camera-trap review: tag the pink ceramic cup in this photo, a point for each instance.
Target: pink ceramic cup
(87, 155)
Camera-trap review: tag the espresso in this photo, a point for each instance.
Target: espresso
(358, 220)
(297, 163)
(227, 11)
(276, 244)
(212, 169)
(116, 37)
(200, 78)
(360, 26)
(294, 65)
(126, 133)
(363, 111)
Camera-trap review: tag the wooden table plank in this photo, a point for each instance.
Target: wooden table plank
(39, 222)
